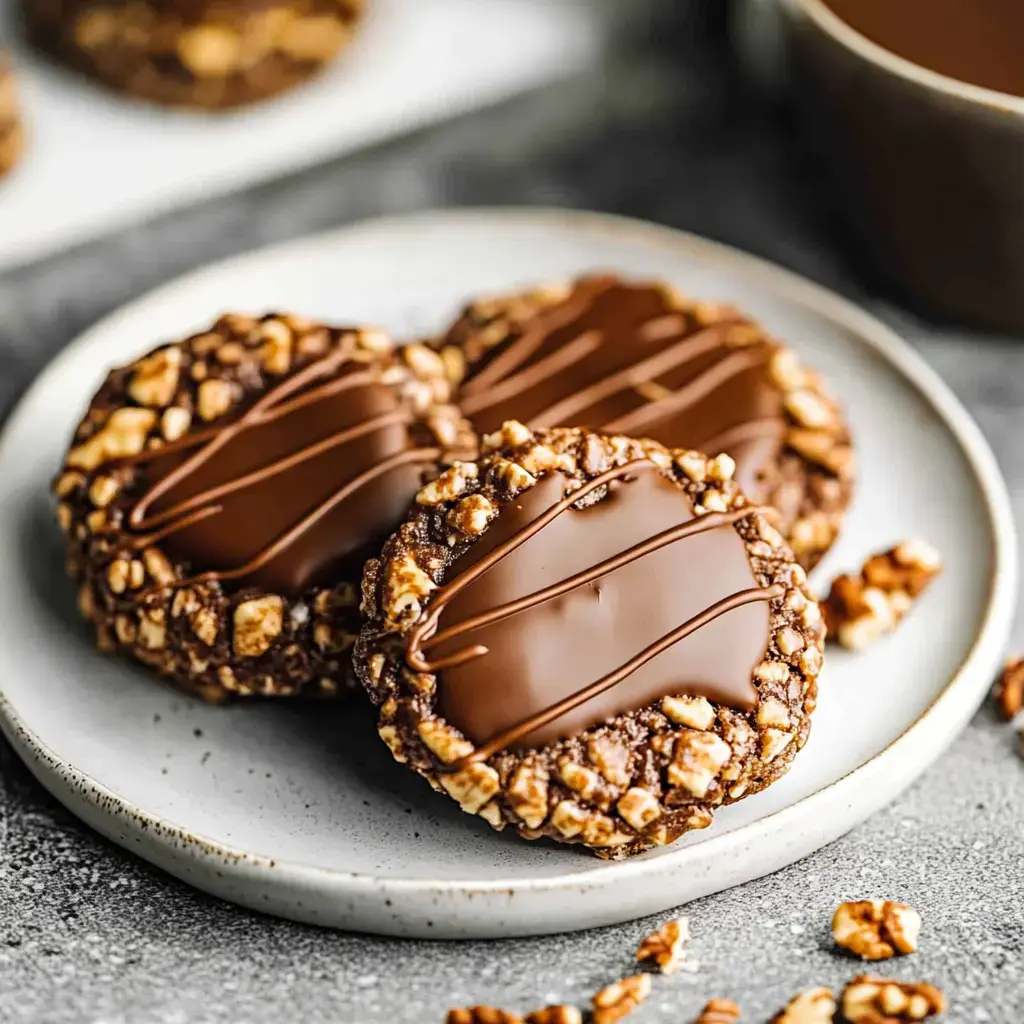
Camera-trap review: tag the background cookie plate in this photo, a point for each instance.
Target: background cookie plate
(300, 811)
(95, 161)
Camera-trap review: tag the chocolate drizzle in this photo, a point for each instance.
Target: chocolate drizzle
(487, 706)
(263, 499)
(619, 358)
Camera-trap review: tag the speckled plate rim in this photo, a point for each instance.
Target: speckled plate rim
(796, 830)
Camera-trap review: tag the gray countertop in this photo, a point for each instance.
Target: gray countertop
(90, 934)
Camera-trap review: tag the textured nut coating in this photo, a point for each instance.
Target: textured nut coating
(211, 640)
(195, 54)
(863, 607)
(876, 929)
(639, 780)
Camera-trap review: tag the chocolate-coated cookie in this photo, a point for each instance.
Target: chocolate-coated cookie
(195, 53)
(11, 132)
(221, 494)
(590, 638)
(640, 359)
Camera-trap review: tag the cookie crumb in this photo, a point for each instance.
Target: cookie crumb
(621, 998)
(1008, 692)
(664, 946)
(871, 1000)
(876, 929)
(719, 1011)
(812, 1006)
(861, 608)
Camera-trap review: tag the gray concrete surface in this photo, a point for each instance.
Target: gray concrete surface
(90, 934)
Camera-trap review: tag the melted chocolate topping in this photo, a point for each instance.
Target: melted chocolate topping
(575, 615)
(617, 358)
(975, 41)
(293, 490)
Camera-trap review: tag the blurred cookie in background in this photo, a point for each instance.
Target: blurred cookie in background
(11, 132)
(196, 53)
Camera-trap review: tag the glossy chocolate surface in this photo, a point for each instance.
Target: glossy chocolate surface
(543, 654)
(283, 497)
(617, 358)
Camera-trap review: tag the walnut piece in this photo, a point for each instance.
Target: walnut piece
(1008, 692)
(124, 434)
(621, 998)
(719, 1011)
(871, 1000)
(664, 947)
(559, 1014)
(876, 929)
(481, 1015)
(405, 586)
(861, 608)
(813, 1006)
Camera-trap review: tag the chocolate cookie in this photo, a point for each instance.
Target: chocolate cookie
(11, 134)
(590, 638)
(221, 495)
(195, 53)
(639, 359)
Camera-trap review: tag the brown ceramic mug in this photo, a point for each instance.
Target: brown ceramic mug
(931, 169)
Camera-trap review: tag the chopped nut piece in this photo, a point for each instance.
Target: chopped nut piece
(209, 51)
(443, 740)
(471, 515)
(1009, 689)
(876, 929)
(257, 623)
(693, 712)
(621, 998)
(124, 434)
(665, 946)
(861, 608)
(814, 1006)
(872, 1000)
(175, 422)
(156, 377)
(482, 1015)
(276, 350)
(639, 808)
(560, 1014)
(214, 398)
(719, 1011)
(699, 758)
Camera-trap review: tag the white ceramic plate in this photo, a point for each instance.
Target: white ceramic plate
(96, 161)
(301, 811)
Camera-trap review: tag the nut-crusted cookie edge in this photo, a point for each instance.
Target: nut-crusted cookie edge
(207, 56)
(212, 642)
(644, 778)
(817, 456)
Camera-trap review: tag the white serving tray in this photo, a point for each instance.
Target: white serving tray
(97, 161)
